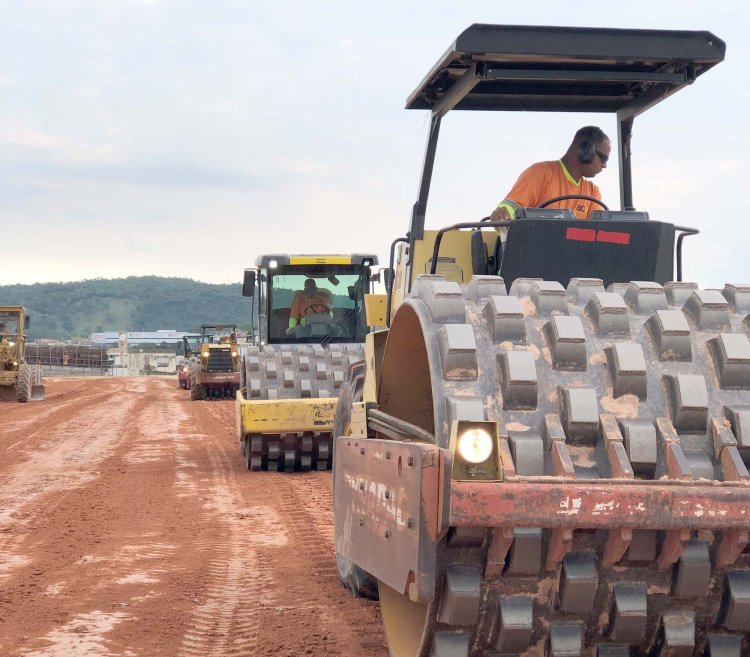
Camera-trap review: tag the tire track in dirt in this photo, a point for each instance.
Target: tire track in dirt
(98, 561)
(61, 395)
(310, 506)
(237, 603)
(66, 459)
(138, 533)
(29, 426)
(65, 456)
(309, 590)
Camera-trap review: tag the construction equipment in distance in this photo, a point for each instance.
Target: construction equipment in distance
(183, 375)
(553, 460)
(190, 352)
(19, 380)
(214, 371)
(291, 378)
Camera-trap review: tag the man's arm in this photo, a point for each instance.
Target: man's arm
(327, 299)
(295, 313)
(501, 213)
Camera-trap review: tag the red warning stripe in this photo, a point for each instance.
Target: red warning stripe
(590, 235)
(613, 238)
(581, 234)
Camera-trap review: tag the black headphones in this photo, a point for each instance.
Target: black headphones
(587, 148)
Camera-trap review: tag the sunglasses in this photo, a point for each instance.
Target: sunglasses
(602, 156)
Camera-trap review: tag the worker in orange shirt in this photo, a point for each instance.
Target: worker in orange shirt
(586, 156)
(309, 301)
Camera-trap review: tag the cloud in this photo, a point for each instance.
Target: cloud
(16, 134)
(90, 92)
(146, 174)
(226, 107)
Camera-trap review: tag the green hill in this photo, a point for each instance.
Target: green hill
(136, 303)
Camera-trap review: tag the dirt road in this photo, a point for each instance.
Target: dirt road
(129, 526)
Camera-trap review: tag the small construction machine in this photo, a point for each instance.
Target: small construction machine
(546, 453)
(214, 371)
(183, 375)
(191, 349)
(19, 380)
(311, 315)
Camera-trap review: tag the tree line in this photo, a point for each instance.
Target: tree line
(137, 303)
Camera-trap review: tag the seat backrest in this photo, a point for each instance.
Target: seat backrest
(479, 261)
(454, 260)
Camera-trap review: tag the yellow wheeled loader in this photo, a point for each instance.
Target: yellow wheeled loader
(546, 453)
(19, 380)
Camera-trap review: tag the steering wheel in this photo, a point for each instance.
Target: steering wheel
(317, 309)
(583, 197)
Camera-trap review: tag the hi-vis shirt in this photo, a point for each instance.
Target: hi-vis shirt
(302, 305)
(545, 180)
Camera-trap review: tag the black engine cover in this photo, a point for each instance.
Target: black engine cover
(615, 251)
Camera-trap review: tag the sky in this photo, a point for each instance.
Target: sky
(184, 138)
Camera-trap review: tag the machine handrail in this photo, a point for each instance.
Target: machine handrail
(391, 276)
(684, 232)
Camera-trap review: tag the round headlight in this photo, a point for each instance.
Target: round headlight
(475, 445)
(185, 368)
(234, 354)
(11, 344)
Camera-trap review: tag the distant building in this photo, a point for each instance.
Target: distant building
(140, 337)
(139, 363)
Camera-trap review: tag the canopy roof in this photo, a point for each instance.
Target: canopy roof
(565, 69)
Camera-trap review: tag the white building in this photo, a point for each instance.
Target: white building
(137, 363)
(141, 337)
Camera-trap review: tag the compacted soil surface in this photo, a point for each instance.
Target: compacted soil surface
(130, 527)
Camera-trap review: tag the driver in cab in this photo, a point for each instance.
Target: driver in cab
(586, 156)
(309, 301)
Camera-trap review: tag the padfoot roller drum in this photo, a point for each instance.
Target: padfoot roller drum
(613, 520)
(293, 372)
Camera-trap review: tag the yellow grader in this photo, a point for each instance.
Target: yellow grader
(546, 453)
(311, 314)
(19, 380)
(213, 372)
